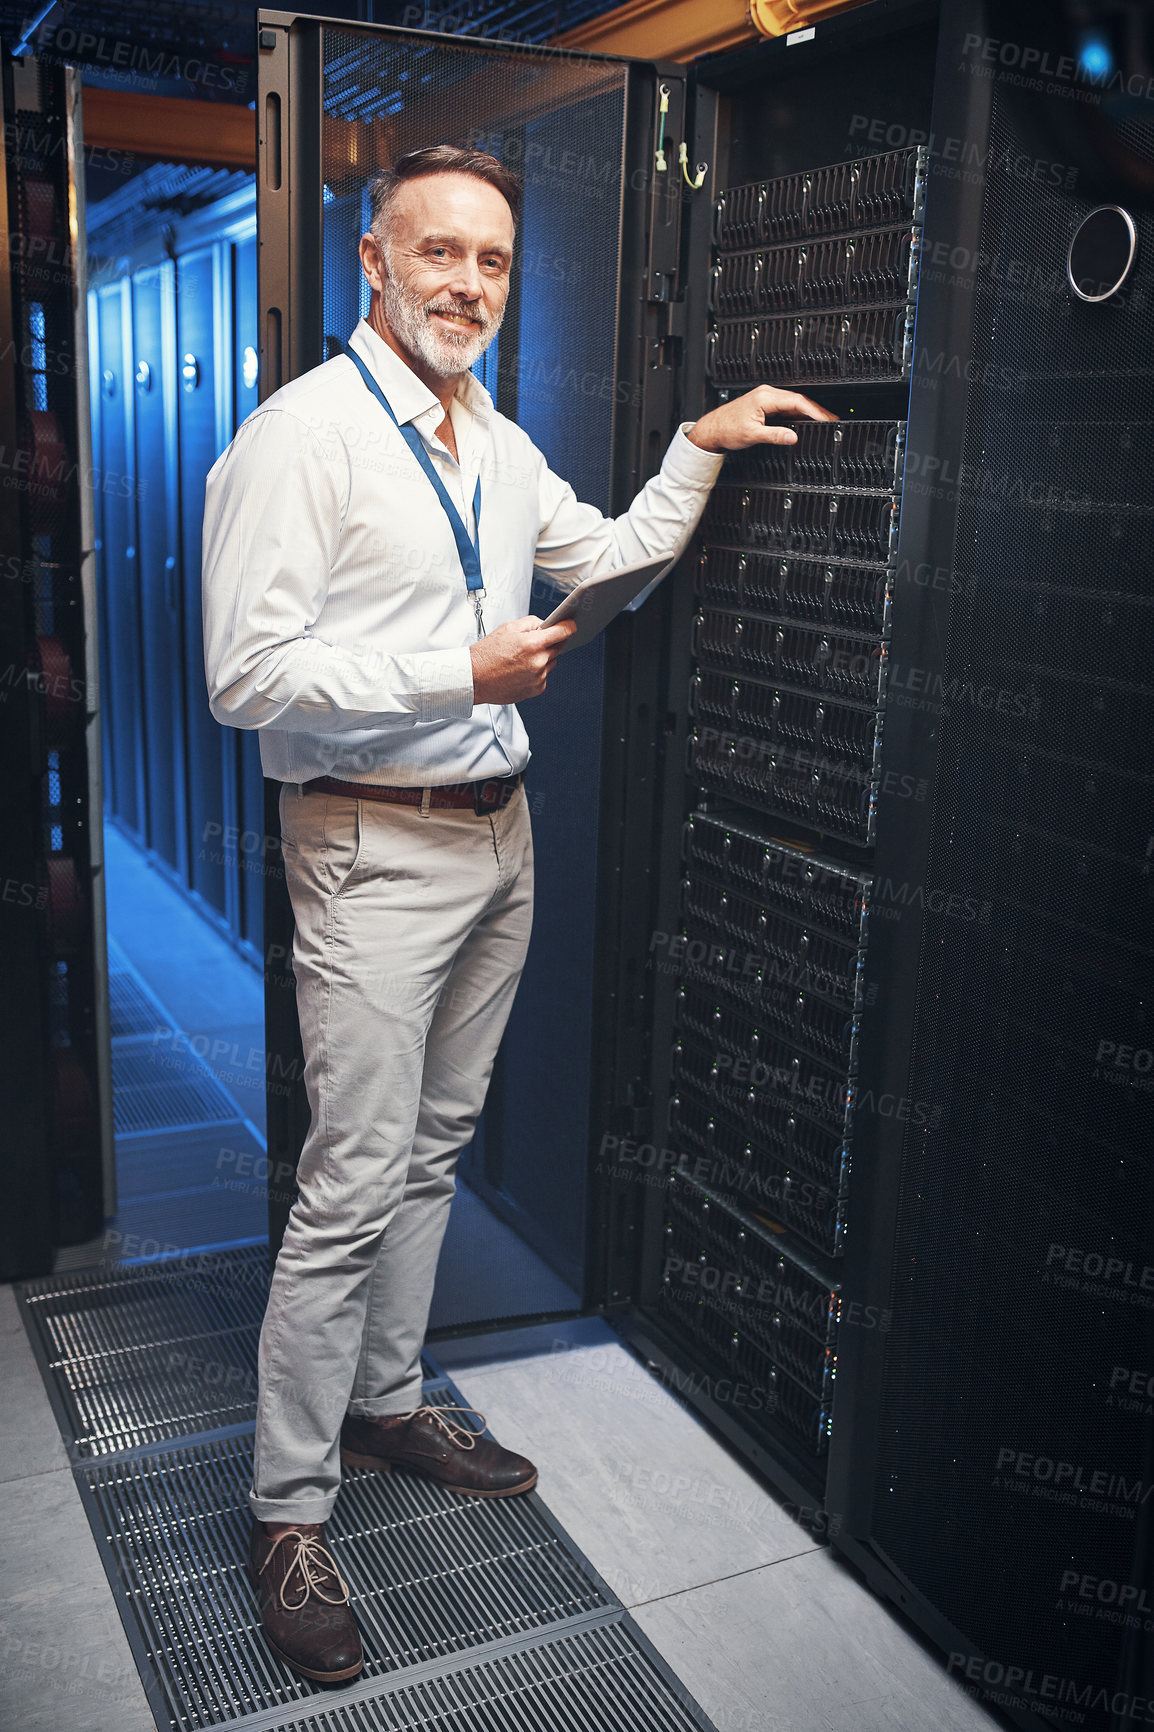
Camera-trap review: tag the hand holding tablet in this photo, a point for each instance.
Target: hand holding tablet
(599, 599)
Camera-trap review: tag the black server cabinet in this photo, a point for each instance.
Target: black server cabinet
(57, 1148)
(758, 1188)
(1009, 1395)
(916, 884)
(865, 1148)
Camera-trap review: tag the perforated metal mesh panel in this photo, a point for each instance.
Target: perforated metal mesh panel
(131, 1011)
(1009, 1431)
(138, 1354)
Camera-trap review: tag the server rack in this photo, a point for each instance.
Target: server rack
(58, 1150)
(757, 1277)
(173, 324)
(784, 1155)
(982, 792)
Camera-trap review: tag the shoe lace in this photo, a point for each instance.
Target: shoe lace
(312, 1562)
(464, 1436)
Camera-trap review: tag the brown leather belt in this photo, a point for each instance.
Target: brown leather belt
(479, 797)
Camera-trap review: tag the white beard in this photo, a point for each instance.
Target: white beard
(444, 352)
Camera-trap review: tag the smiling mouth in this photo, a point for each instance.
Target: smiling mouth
(461, 320)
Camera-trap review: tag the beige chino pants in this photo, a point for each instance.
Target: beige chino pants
(411, 934)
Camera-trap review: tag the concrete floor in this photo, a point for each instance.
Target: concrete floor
(67, 1666)
(769, 1631)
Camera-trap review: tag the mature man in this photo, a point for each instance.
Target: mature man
(370, 538)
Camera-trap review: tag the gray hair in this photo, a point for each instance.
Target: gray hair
(439, 159)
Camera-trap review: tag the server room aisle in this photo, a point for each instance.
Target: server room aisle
(188, 1064)
(210, 992)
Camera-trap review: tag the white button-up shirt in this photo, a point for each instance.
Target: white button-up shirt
(336, 616)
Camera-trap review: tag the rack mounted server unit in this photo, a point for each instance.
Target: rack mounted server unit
(843, 918)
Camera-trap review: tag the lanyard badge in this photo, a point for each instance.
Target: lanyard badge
(467, 551)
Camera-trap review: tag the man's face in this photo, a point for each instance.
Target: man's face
(445, 275)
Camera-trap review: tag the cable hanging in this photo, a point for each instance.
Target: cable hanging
(702, 168)
(663, 110)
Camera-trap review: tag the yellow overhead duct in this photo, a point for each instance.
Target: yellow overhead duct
(684, 29)
(781, 17)
(663, 29)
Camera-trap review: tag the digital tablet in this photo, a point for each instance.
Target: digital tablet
(599, 599)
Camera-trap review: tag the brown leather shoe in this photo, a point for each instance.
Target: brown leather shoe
(304, 1604)
(428, 1441)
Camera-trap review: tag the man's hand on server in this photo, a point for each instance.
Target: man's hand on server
(513, 662)
(745, 421)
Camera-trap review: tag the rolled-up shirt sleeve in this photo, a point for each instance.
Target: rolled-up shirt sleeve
(274, 508)
(576, 541)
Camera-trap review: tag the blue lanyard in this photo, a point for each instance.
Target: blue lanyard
(468, 551)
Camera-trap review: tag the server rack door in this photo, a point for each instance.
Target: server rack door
(246, 335)
(57, 1002)
(153, 386)
(197, 338)
(569, 366)
(95, 412)
(249, 782)
(1004, 1465)
(121, 638)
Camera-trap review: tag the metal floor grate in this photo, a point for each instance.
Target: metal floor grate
(153, 1351)
(600, 1679)
(140, 1354)
(474, 1612)
(131, 1010)
(164, 1084)
(430, 1574)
